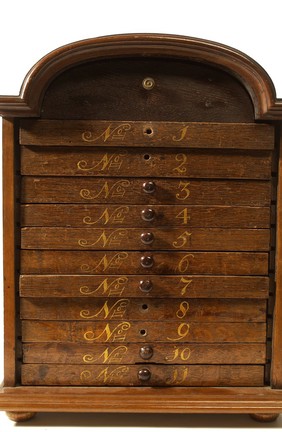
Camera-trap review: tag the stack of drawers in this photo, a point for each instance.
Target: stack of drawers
(144, 252)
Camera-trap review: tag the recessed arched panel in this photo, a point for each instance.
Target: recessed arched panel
(112, 89)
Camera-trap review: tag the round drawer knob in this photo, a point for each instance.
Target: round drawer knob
(148, 214)
(148, 83)
(145, 285)
(144, 374)
(147, 261)
(147, 238)
(146, 352)
(149, 187)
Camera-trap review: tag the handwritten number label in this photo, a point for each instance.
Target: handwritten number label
(182, 240)
(184, 263)
(182, 331)
(179, 353)
(184, 190)
(183, 310)
(184, 216)
(181, 168)
(186, 283)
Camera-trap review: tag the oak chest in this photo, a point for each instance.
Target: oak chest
(142, 246)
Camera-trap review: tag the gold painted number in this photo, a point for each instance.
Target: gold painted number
(183, 309)
(181, 240)
(184, 190)
(184, 263)
(184, 216)
(182, 331)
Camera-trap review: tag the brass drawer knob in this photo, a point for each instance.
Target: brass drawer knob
(147, 238)
(148, 214)
(146, 352)
(149, 187)
(145, 285)
(147, 261)
(144, 374)
(148, 83)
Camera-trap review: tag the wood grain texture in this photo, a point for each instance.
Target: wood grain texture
(184, 286)
(146, 134)
(92, 262)
(113, 90)
(130, 191)
(205, 239)
(165, 353)
(276, 365)
(183, 376)
(9, 253)
(147, 162)
(143, 399)
(141, 331)
(198, 310)
(99, 215)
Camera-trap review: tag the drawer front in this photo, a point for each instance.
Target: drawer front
(100, 215)
(136, 375)
(198, 310)
(183, 286)
(215, 239)
(141, 331)
(151, 134)
(132, 353)
(150, 162)
(114, 263)
(144, 191)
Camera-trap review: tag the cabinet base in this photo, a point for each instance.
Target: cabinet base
(18, 416)
(264, 418)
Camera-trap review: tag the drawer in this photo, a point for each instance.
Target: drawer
(198, 310)
(150, 134)
(214, 239)
(109, 263)
(44, 374)
(99, 215)
(131, 353)
(186, 286)
(141, 331)
(148, 162)
(144, 191)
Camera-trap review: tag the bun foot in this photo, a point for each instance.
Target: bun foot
(18, 416)
(264, 418)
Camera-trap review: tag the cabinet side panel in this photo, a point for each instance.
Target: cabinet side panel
(276, 368)
(9, 253)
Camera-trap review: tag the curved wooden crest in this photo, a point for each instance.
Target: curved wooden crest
(252, 76)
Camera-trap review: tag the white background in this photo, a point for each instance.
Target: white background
(30, 29)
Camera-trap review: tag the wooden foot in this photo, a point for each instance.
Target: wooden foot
(18, 416)
(264, 418)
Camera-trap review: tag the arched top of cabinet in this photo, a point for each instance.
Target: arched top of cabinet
(253, 83)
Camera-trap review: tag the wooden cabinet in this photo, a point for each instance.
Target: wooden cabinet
(142, 245)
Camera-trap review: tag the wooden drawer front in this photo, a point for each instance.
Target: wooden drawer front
(198, 310)
(141, 331)
(44, 374)
(119, 162)
(151, 134)
(133, 353)
(99, 215)
(215, 239)
(114, 263)
(184, 286)
(131, 191)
